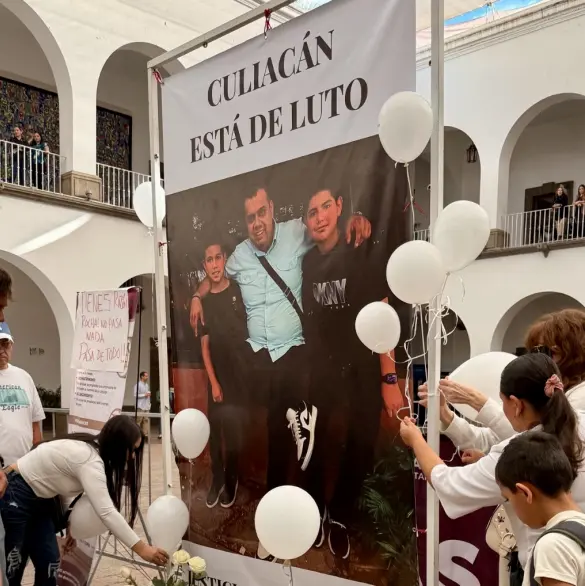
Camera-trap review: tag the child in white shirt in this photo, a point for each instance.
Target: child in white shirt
(535, 476)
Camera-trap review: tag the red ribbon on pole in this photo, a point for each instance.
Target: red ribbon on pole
(267, 23)
(157, 76)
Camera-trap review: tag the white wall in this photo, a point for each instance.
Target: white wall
(33, 327)
(552, 148)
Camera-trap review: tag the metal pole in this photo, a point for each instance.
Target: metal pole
(219, 32)
(434, 343)
(159, 242)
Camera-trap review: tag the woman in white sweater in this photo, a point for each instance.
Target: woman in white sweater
(98, 466)
(560, 335)
(532, 396)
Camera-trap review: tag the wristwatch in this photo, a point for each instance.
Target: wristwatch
(389, 379)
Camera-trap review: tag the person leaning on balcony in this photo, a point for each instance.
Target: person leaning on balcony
(106, 469)
(560, 335)
(39, 149)
(578, 227)
(560, 203)
(18, 156)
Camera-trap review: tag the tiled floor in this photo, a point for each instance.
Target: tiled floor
(108, 572)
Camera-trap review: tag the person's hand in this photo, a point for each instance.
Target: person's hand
(216, 393)
(70, 543)
(462, 394)
(148, 395)
(3, 483)
(360, 227)
(471, 456)
(151, 554)
(196, 314)
(423, 395)
(409, 432)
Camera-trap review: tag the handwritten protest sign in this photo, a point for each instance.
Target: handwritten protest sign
(101, 331)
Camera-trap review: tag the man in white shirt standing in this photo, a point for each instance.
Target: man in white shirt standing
(142, 396)
(21, 413)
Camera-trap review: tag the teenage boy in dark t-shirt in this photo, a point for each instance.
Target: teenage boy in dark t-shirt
(222, 337)
(338, 281)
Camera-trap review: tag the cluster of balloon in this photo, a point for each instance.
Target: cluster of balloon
(483, 373)
(142, 203)
(417, 270)
(287, 522)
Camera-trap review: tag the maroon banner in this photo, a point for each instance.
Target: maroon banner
(464, 557)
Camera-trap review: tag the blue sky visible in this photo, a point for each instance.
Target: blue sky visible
(481, 12)
(484, 10)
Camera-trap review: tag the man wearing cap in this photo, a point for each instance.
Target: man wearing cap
(21, 411)
(5, 297)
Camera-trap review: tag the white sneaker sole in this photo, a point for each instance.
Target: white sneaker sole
(312, 425)
(229, 505)
(211, 506)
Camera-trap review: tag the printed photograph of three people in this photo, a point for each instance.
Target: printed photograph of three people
(268, 271)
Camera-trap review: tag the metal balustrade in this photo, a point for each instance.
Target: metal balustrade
(25, 166)
(544, 226)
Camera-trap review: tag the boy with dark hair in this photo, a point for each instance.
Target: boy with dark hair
(222, 340)
(339, 279)
(535, 476)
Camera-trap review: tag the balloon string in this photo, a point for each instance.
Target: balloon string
(288, 574)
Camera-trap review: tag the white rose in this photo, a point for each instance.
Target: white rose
(125, 572)
(181, 557)
(197, 565)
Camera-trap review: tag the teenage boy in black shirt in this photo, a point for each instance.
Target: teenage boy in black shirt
(222, 338)
(338, 281)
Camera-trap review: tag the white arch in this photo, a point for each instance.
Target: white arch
(506, 320)
(52, 51)
(65, 325)
(149, 50)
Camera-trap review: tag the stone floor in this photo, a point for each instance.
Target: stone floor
(108, 571)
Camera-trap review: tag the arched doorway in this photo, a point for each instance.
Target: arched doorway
(36, 89)
(123, 141)
(511, 330)
(462, 174)
(37, 344)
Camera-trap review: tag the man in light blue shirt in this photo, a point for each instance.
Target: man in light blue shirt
(268, 268)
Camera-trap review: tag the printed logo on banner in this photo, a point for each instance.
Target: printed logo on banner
(283, 212)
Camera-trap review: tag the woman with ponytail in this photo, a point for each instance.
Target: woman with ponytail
(532, 395)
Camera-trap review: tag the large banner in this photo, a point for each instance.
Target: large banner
(464, 557)
(282, 212)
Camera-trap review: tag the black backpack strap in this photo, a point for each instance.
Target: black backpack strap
(571, 529)
(281, 285)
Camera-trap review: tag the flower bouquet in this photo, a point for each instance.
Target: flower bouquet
(183, 570)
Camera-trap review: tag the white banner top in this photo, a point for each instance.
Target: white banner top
(216, 127)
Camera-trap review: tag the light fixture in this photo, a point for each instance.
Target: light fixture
(472, 154)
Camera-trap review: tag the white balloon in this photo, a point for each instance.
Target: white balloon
(287, 522)
(378, 327)
(415, 272)
(405, 126)
(84, 522)
(142, 202)
(461, 233)
(482, 372)
(167, 520)
(190, 432)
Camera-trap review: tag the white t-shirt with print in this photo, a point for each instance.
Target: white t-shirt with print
(558, 557)
(20, 407)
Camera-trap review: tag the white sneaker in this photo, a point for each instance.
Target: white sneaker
(302, 423)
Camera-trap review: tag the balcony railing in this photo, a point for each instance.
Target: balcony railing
(544, 226)
(422, 235)
(118, 185)
(26, 166)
